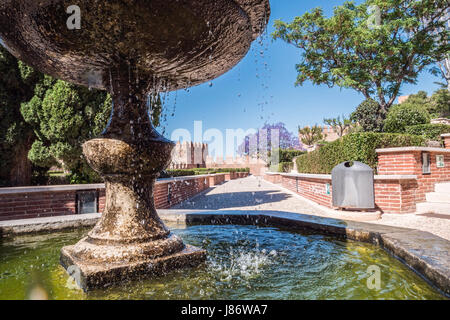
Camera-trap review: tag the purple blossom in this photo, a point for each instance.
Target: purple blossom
(269, 137)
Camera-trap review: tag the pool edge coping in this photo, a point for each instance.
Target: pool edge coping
(421, 251)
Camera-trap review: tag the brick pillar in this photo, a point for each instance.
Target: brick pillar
(399, 162)
(446, 138)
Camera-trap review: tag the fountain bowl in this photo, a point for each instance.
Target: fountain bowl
(173, 44)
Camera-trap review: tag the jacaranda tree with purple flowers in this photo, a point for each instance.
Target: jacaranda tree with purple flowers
(269, 137)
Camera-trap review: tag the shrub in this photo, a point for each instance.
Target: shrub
(285, 155)
(368, 116)
(55, 180)
(285, 167)
(289, 155)
(439, 104)
(429, 131)
(354, 147)
(403, 115)
(177, 173)
(199, 171)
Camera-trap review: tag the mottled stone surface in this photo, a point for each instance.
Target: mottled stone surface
(131, 48)
(93, 276)
(431, 258)
(129, 155)
(12, 228)
(174, 43)
(425, 253)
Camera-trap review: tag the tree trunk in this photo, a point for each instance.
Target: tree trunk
(382, 113)
(21, 168)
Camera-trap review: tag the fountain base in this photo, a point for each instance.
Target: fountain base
(130, 242)
(90, 276)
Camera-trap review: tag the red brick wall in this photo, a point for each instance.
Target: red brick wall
(181, 191)
(55, 203)
(447, 142)
(274, 178)
(410, 162)
(311, 188)
(216, 179)
(31, 205)
(393, 196)
(397, 163)
(315, 190)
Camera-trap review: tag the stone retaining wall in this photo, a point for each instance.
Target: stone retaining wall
(47, 201)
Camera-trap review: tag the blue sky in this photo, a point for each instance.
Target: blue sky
(249, 95)
(261, 88)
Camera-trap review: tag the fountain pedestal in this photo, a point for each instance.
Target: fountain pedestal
(130, 241)
(131, 48)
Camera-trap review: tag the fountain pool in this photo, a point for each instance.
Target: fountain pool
(244, 262)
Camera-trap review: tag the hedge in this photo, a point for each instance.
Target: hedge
(354, 147)
(176, 173)
(403, 115)
(220, 170)
(285, 167)
(285, 155)
(429, 131)
(199, 171)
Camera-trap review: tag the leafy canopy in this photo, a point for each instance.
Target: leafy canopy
(354, 147)
(17, 83)
(311, 135)
(403, 115)
(63, 116)
(367, 116)
(339, 126)
(372, 48)
(438, 105)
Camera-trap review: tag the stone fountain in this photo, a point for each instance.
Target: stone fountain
(131, 48)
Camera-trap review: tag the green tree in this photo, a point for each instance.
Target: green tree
(340, 127)
(17, 83)
(46, 121)
(371, 51)
(367, 116)
(442, 67)
(155, 105)
(63, 116)
(311, 135)
(420, 98)
(403, 115)
(439, 104)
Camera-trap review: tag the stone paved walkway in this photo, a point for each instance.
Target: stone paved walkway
(253, 193)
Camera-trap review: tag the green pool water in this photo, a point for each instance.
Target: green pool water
(244, 262)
